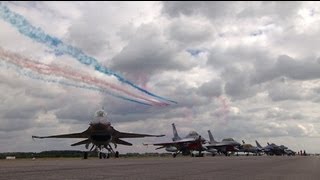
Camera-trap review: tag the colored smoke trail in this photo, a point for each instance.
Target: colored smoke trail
(44, 69)
(225, 109)
(25, 28)
(37, 77)
(32, 75)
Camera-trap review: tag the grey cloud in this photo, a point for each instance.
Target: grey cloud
(281, 9)
(226, 9)
(285, 66)
(211, 89)
(241, 54)
(15, 124)
(282, 115)
(79, 111)
(238, 83)
(284, 91)
(127, 32)
(189, 33)
(301, 70)
(210, 9)
(147, 54)
(88, 33)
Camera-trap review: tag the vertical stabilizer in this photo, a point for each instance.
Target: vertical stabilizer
(175, 133)
(258, 144)
(211, 137)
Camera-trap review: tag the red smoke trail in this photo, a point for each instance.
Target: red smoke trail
(67, 73)
(225, 109)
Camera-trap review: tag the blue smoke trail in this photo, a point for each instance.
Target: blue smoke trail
(36, 76)
(37, 34)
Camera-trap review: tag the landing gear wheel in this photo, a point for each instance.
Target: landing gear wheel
(174, 155)
(108, 156)
(85, 155)
(104, 155)
(116, 155)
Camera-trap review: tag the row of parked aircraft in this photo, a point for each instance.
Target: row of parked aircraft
(194, 142)
(102, 135)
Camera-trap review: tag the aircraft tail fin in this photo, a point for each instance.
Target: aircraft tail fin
(258, 144)
(175, 133)
(211, 139)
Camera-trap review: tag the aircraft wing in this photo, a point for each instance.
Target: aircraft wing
(87, 141)
(220, 144)
(133, 135)
(182, 141)
(120, 141)
(73, 135)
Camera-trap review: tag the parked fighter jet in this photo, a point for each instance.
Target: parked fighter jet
(248, 148)
(101, 134)
(192, 142)
(225, 146)
(273, 149)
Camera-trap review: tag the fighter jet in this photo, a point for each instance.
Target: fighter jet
(225, 146)
(101, 134)
(192, 142)
(273, 149)
(248, 148)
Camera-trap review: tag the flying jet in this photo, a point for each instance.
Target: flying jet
(225, 146)
(187, 145)
(248, 148)
(101, 135)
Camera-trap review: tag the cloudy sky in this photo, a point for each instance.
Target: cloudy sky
(247, 70)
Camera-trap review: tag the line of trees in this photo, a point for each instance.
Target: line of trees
(46, 154)
(70, 153)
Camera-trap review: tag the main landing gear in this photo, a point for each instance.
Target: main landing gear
(174, 155)
(108, 155)
(101, 154)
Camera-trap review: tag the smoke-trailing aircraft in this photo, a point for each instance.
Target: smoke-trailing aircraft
(192, 142)
(101, 134)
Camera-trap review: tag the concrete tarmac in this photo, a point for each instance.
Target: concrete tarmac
(151, 168)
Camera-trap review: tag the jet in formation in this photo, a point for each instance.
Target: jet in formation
(101, 135)
(186, 146)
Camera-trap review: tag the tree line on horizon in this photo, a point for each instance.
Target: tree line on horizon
(69, 153)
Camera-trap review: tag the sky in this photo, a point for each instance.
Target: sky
(246, 70)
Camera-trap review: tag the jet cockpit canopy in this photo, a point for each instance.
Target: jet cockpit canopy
(192, 134)
(100, 117)
(228, 139)
(100, 113)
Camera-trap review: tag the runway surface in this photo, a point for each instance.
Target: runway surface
(242, 167)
